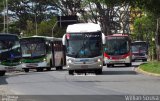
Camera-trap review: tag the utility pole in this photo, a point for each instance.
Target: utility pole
(35, 15)
(7, 14)
(4, 20)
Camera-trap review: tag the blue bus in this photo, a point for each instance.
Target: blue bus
(10, 53)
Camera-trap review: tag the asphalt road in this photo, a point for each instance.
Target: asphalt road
(118, 80)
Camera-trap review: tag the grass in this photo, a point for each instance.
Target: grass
(152, 67)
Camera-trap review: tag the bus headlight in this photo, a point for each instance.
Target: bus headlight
(127, 57)
(70, 60)
(44, 59)
(99, 60)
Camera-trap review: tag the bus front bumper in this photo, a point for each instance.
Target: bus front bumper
(11, 68)
(82, 66)
(117, 61)
(34, 65)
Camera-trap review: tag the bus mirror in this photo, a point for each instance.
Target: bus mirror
(64, 39)
(103, 39)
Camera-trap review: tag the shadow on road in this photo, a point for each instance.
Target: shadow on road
(119, 73)
(3, 80)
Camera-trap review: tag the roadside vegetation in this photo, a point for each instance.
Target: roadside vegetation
(151, 67)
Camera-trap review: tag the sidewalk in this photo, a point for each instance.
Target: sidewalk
(4, 90)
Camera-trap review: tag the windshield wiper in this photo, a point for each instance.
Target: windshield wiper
(80, 49)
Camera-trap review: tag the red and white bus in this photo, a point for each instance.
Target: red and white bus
(117, 50)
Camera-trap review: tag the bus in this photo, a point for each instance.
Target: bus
(139, 50)
(117, 50)
(10, 53)
(84, 43)
(41, 52)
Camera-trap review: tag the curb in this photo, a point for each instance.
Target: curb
(147, 73)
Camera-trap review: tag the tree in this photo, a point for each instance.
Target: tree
(152, 6)
(33, 10)
(44, 29)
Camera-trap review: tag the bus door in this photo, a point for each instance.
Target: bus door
(58, 53)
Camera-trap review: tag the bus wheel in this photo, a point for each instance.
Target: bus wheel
(104, 63)
(144, 60)
(39, 69)
(59, 68)
(26, 70)
(2, 73)
(48, 69)
(110, 65)
(70, 72)
(128, 64)
(98, 71)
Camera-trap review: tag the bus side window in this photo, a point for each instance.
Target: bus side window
(48, 47)
(58, 46)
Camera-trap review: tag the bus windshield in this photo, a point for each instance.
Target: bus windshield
(32, 47)
(139, 47)
(117, 45)
(84, 45)
(9, 47)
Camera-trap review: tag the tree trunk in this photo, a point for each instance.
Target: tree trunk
(157, 37)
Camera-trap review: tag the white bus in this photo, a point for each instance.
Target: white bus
(39, 52)
(84, 43)
(10, 53)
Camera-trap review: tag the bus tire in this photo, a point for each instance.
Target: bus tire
(70, 72)
(110, 65)
(104, 63)
(26, 70)
(2, 73)
(59, 67)
(128, 64)
(133, 60)
(98, 71)
(51, 63)
(48, 68)
(144, 60)
(39, 69)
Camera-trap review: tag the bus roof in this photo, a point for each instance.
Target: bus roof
(83, 27)
(117, 35)
(138, 41)
(45, 37)
(8, 34)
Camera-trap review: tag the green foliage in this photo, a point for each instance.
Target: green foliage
(152, 67)
(1, 23)
(144, 26)
(144, 29)
(44, 29)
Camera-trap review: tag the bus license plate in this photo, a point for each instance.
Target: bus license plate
(84, 66)
(32, 65)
